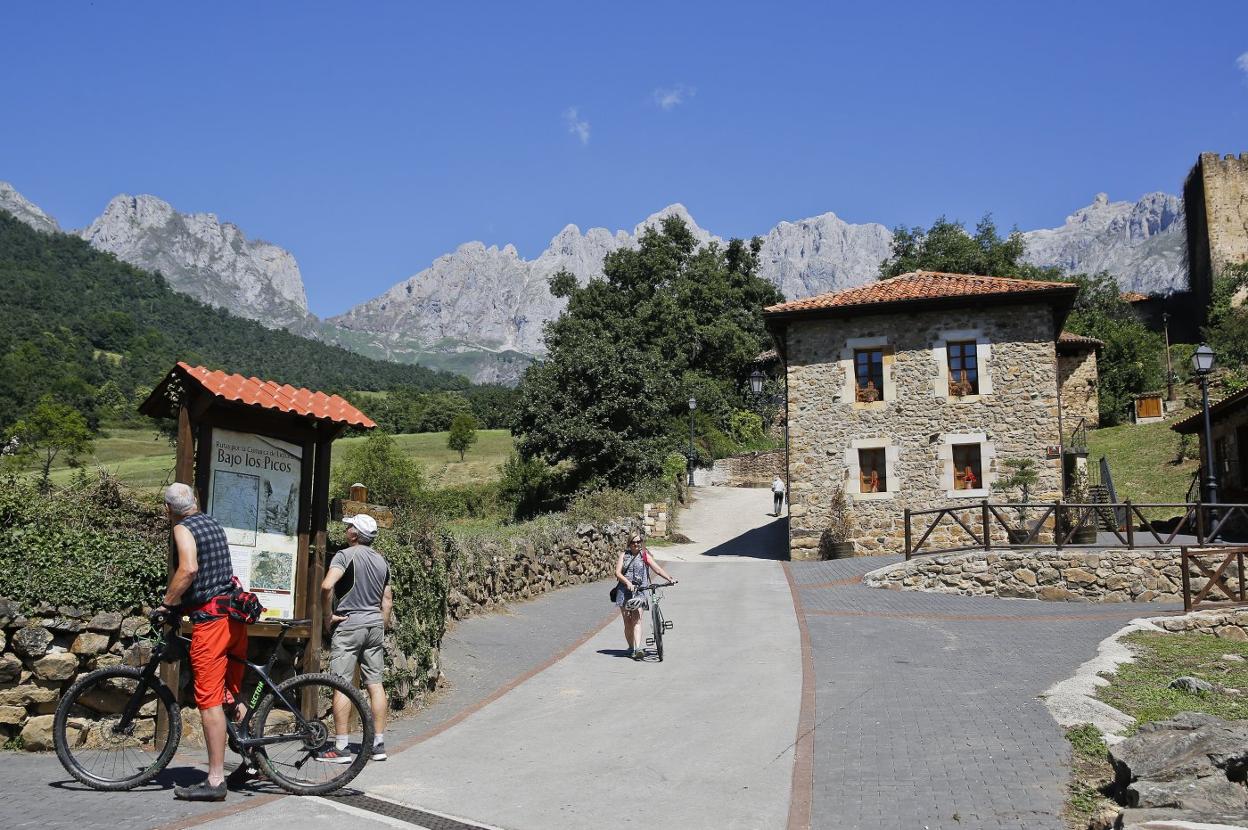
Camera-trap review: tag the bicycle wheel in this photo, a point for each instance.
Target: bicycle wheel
(656, 623)
(292, 764)
(103, 748)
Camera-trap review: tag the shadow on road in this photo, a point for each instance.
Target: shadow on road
(767, 542)
(613, 652)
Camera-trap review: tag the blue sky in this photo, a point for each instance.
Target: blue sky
(369, 138)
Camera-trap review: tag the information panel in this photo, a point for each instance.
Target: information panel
(253, 492)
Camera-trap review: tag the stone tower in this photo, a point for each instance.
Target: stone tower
(1215, 200)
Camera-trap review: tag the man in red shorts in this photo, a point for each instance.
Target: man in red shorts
(205, 572)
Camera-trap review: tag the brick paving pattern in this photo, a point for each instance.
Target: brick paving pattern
(926, 706)
(479, 656)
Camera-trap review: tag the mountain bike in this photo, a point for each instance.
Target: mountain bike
(106, 737)
(658, 623)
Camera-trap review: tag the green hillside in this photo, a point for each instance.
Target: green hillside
(143, 459)
(96, 333)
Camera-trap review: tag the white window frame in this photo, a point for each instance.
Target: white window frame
(892, 479)
(849, 389)
(987, 464)
(983, 361)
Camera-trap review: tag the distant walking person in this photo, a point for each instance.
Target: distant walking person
(777, 495)
(359, 579)
(203, 575)
(632, 569)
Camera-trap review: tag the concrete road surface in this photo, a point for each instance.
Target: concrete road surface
(703, 739)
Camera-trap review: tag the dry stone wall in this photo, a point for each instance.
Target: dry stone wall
(916, 422)
(753, 469)
(1071, 576)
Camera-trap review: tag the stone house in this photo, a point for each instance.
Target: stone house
(1229, 419)
(1077, 378)
(912, 392)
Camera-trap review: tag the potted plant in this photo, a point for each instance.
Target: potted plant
(836, 540)
(1021, 478)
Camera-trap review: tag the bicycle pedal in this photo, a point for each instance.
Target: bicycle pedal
(650, 641)
(668, 625)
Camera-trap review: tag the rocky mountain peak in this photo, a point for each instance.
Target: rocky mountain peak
(199, 255)
(24, 210)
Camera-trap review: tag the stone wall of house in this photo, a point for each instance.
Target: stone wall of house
(1073, 576)
(44, 651)
(1076, 375)
(916, 422)
(1215, 199)
(751, 469)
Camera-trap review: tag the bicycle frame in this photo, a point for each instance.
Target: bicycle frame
(240, 732)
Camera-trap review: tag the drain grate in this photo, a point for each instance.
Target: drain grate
(419, 818)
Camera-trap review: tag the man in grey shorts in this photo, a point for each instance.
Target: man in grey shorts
(357, 588)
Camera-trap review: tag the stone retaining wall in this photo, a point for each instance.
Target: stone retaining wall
(1083, 576)
(44, 651)
(1229, 623)
(753, 469)
(654, 519)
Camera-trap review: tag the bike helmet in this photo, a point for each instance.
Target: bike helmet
(635, 604)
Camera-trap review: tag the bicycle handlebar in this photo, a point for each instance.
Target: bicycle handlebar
(654, 585)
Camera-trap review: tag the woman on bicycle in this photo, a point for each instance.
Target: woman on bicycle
(632, 569)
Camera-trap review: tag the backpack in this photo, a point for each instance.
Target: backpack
(239, 605)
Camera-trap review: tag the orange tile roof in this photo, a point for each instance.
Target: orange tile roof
(1069, 338)
(282, 397)
(922, 285)
(1134, 297)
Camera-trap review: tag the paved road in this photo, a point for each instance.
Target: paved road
(703, 739)
(926, 706)
(920, 710)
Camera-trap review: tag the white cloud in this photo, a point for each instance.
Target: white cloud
(673, 96)
(576, 125)
(1242, 62)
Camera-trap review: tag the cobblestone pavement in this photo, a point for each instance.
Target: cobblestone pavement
(926, 707)
(480, 656)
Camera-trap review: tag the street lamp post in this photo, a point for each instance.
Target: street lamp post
(1202, 364)
(756, 382)
(693, 404)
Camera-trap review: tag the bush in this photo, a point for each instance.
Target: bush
(746, 428)
(92, 545)
(420, 577)
(392, 478)
(603, 506)
(527, 487)
(467, 501)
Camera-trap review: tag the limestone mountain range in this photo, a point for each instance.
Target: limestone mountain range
(480, 310)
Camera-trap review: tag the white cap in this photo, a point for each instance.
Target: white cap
(364, 523)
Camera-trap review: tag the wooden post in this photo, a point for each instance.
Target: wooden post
(1187, 583)
(317, 563)
(1057, 524)
(907, 534)
(1200, 524)
(1130, 525)
(983, 518)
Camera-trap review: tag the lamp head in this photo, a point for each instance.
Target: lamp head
(756, 382)
(1202, 360)
(693, 403)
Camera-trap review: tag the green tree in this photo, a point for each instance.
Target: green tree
(946, 246)
(526, 486)
(1227, 331)
(50, 430)
(1132, 360)
(463, 434)
(668, 319)
(392, 478)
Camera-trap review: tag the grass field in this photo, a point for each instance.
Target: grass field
(142, 458)
(1141, 459)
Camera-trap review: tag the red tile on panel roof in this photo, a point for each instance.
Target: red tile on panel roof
(1134, 297)
(1069, 338)
(284, 398)
(921, 285)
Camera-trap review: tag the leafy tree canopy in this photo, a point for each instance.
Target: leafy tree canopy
(669, 319)
(463, 434)
(50, 430)
(947, 246)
